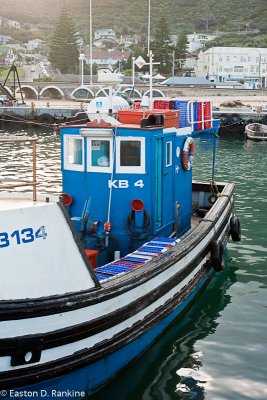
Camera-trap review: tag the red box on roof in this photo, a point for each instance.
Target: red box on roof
(171, 117)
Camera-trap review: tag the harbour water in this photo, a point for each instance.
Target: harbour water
(218, 350)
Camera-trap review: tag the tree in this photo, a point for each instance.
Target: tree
(63, 47)
(180, 50)
(162, 45)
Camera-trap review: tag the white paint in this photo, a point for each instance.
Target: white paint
(68, 349)
(63, 351)
(43, 267)
(61, 321)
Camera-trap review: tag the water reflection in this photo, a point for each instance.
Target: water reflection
(155, 375)
(16, 160)
(227, 326)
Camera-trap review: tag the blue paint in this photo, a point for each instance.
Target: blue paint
(92, 376)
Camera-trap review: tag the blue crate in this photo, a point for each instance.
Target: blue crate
(113, 269)
(102, 277)
(150, 249)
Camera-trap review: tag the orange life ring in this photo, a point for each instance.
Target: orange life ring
(188, 153)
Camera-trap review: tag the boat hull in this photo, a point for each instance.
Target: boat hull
(256, 131)
(80, 341)
(86, 379)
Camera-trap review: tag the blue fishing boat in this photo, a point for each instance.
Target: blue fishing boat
(89, 280)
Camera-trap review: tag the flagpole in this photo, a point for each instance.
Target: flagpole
(148, 32)
(91, 43)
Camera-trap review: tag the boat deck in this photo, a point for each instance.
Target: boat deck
(145, 253)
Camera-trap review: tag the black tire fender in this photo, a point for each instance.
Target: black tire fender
(235, 229)
(45, 119)
(235, 119)
(224, 119)
(217, 256)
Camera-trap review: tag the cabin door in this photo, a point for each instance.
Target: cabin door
(165, 205)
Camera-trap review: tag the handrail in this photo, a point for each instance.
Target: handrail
(21, 182)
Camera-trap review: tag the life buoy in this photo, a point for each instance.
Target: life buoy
(188, 153)
(235, 229)
(217, 256)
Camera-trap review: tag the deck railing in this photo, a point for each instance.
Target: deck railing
(9, 183)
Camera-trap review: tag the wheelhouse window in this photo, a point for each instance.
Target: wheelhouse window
(73, 153)
(99, 154)
(130, 155)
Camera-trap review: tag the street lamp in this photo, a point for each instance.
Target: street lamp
(133, 69)
(82, 58)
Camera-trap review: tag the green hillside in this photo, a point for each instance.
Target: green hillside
(131, 15)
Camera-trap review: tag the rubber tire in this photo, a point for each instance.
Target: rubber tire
(217, 256)
(224, 119)
(235, 229)
(235, 119)
(45, 119)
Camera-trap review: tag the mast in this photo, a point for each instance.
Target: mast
(91, 43)
(148, 32)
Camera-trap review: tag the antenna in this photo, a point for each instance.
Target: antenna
(148, 32)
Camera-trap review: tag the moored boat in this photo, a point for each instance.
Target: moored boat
(91, 280)
(256, 131)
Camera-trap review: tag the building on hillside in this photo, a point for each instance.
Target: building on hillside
(5, 39)
(8, 53)
(196, 41)
(34, 44)
(248, 64)
(105, 34)
(13, 24)
(105, 57)
(128, 40)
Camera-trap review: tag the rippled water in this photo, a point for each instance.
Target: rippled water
(222, 340)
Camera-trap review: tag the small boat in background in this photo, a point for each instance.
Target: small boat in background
(89, 281)
(256, 131)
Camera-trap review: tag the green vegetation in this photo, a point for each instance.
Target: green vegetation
(162, 45)
(63, 48)
(4, 72)
(130, 16)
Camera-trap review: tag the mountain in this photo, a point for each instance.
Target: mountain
(132, 15)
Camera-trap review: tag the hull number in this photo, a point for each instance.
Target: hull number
(124, 184)
(23, 236)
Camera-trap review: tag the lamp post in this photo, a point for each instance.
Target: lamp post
(82, 58)
(133, 69)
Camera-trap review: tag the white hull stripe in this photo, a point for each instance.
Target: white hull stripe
(50, 323)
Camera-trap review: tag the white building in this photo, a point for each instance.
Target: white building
(13, 24)
(34, 44)
(128, 40)
(105, 34)
(197, 41)
(233, 63)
